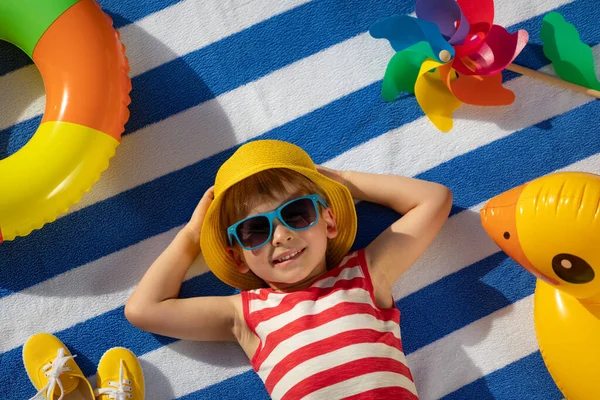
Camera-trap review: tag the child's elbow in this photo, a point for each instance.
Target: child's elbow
(448, 194)
(445, 198)
(136, 314)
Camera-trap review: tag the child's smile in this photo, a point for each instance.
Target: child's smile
(288, 257)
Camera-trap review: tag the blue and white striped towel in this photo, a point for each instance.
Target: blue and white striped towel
(209, 75)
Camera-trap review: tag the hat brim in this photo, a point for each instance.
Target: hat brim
(215, 247)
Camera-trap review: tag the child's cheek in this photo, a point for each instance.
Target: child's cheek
(258, 256)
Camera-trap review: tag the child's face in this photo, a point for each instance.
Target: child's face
(308, 248)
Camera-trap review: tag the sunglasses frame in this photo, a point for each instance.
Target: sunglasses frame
(276, 214)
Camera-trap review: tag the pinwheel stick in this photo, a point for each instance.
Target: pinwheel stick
(553, 80)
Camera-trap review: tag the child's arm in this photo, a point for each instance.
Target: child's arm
(154, 306)
(424, 207)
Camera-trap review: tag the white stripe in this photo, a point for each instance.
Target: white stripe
(343, 324)
(346, 275)
(27, 96)
(333, 359)
(348, 257)
(361, 384)
(478, 349)
(81, 293)
(462, 242)
(184, 367)
(191, 25)
(154, 40)
(272, 300)
(102, 285)
(312, 307)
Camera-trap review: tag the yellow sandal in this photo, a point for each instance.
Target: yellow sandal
(49, 364)
(120, 376)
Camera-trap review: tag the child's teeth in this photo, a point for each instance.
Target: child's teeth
(288, 257)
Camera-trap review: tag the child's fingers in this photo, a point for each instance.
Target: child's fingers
(202, 206)
(330, 173)
(210, 192)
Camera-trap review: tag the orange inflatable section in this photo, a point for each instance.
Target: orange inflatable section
(499, 218)
(82, 63)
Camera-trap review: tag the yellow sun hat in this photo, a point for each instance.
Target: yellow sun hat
(249, 159)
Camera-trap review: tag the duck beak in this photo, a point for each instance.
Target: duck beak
(498, 218)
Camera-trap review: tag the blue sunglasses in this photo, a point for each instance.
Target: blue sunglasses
(255, 231)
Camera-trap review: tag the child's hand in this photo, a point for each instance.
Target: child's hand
(338, 176)
(194, 226)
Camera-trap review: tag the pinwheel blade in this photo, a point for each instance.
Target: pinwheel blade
(437, 102)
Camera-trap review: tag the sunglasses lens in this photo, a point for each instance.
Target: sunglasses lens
(254, 231)
(299, 214)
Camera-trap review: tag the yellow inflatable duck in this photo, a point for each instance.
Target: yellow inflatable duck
(551, 227)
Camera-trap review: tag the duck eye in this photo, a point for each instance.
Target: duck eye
(506, 235)
(572, 269)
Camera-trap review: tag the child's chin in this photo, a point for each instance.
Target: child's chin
(291, 278)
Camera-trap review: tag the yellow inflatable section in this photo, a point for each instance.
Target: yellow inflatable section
(37, 182)
(551, 227)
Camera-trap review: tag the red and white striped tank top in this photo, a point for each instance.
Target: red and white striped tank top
(329, 341)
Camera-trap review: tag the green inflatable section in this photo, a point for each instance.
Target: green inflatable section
(23, 22)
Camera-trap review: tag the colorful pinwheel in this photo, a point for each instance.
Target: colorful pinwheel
(452, 53)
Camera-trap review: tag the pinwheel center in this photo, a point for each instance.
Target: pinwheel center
(445, 56)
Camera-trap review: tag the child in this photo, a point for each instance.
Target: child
(315, 321)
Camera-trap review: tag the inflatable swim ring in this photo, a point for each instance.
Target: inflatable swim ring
(551, 227)
(84, 69)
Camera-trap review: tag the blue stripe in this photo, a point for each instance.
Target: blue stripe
(461, 298)
(91, 338)
(12, 58)
(527, 378)
(16, 136)
(520, 157)
(123, 12)
(372, 220)
(272, 44)
(246, 386)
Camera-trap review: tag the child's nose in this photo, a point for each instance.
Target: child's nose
(281, 233)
